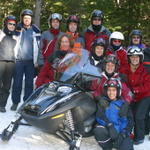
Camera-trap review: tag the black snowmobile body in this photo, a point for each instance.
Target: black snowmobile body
(48, 108)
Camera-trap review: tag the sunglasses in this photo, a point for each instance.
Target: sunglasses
(11, 24)
(117, 41)
(96, 19)
(136, 37)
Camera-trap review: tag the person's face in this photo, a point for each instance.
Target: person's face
(55, 23)
(135, 60)
(65, 44)
(27, 20)
(11, 25)
(96, 21)
(112, 93)
(99, 50)
(116, 42)
(110, 67)
(73, 27)
(136, 39)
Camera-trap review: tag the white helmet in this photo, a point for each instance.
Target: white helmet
(116, 35)
(134, 50)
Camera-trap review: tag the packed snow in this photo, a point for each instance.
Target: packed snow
(31, 138)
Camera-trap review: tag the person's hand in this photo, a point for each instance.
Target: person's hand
(112, 131)
(124, 110)
(119, 140)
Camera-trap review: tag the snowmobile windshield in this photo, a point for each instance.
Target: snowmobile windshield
(72, 65)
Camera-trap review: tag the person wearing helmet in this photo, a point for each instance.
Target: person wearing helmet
(138, 80)
(7, 58)
(114, 124)
(135, 39)
(73, 23)
(27, 50)
(98, 52)
(110, 70)
(49, 38)
(115, 47)
(95, 30)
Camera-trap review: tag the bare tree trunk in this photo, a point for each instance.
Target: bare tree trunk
(37, 12)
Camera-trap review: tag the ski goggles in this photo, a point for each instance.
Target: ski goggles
(11, 24)
(101, 40)
(113, 83)
(56, 16)
(134, 50)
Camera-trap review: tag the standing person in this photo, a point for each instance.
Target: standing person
(114, 119)
(116, 47)
(7, 58)
(49, 38)
(27, 52)
(138, 80)
(146, 64)
(73, 25)
(96, 29)
(135, 39)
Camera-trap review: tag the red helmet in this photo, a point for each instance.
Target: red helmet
(73, 18)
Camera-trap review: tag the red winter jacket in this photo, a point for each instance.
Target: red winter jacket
(49, 42)
(98, 87)
(121, 55)
(138, 81)
(46, 75)
(90, 36)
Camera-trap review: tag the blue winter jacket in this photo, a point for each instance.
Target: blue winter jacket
(112, 116)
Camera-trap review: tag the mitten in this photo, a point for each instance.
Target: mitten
(112, 131)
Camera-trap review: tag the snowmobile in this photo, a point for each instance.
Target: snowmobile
(62, 107)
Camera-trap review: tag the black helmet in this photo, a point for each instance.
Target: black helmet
(9, 18)
(97, 13)
(136, 32)
(26, 12)
(113, 82)
(111, 58)
(135, 50)
(100, 42)
(73, 18)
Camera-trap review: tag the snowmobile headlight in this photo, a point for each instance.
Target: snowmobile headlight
(64, 89)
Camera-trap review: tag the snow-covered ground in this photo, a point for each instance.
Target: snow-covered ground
(30, 138)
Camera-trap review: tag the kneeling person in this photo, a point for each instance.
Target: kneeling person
(114, 119)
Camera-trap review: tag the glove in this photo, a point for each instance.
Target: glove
(102, 102)
(112, 131)
(124, 110)
(119, 140)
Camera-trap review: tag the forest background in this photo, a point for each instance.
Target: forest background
(120, 15)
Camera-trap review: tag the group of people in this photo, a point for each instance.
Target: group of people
(123, 93)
